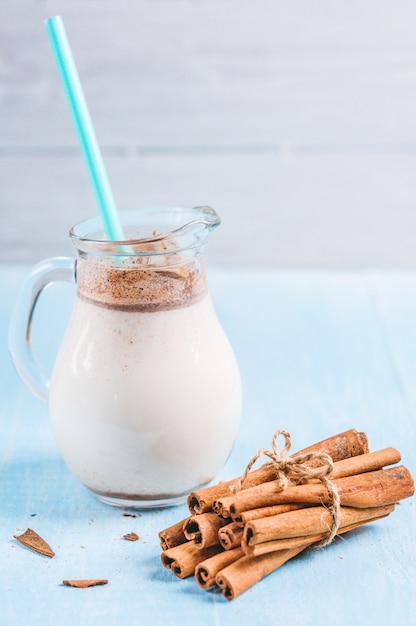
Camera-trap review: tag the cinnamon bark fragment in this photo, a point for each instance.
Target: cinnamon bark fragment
(32, 540)
(131, 536)
(83, 584)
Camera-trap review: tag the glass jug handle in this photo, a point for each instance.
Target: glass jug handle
(23, 357)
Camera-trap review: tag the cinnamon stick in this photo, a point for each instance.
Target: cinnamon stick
(361, 490)
(369, 462)
(183, 559)
(375, 488)
(206, 571)
(236, 578)
(230, 535)
(173, 535)
(293, 542)
(344, 445)
(203, 529)
(306, 522)
(258, 524)
(201, 501)
(267, 511)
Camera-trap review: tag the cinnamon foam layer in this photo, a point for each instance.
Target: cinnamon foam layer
(136, 285)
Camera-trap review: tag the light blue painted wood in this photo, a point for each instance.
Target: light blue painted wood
(319, 352)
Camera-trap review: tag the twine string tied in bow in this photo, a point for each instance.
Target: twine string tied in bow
(295, 470)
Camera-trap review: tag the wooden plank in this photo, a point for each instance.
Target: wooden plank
(312, 210)
(394, 299)
(319, 352)
(180, 73)
(294, 120)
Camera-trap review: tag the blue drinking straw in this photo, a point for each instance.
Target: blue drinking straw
(83, 124)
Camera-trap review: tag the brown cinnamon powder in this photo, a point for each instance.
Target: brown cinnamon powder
(135, 284)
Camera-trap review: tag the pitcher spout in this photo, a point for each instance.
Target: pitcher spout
(150, 231)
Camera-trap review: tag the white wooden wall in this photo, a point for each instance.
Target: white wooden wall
(295, 119)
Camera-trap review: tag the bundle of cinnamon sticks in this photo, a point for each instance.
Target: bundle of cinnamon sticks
(241, 530)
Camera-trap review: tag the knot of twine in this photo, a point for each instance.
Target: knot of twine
(294, 470)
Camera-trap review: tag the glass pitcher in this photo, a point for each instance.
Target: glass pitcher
(145, 394)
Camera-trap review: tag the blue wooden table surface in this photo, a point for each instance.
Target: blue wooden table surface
(320, 352)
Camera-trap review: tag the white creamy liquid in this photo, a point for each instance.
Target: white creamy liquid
(145, 405)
